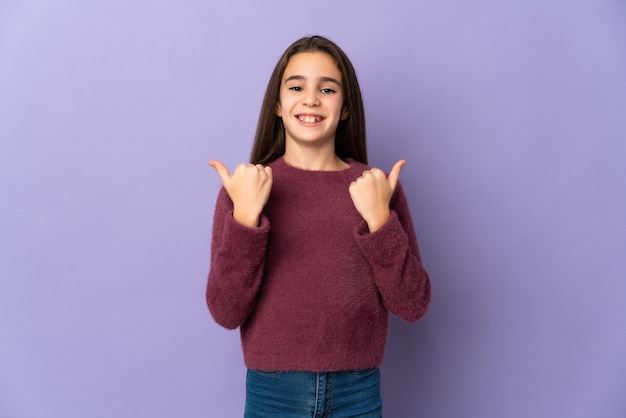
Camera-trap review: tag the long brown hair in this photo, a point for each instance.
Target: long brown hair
(269, 141)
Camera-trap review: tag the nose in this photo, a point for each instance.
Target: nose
(311, 99)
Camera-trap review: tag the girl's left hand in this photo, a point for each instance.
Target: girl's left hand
(371, 194)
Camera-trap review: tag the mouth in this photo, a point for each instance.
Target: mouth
(310, 118)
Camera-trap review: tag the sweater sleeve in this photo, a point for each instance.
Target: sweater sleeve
(237, 262)
(394, 257)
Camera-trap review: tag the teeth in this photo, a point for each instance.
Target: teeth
(309, 119)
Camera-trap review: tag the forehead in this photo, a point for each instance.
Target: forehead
(312, 65)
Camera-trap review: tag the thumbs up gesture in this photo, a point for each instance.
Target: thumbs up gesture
(371, 194)
(248, 187)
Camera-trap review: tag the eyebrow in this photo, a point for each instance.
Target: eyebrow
(324, 79)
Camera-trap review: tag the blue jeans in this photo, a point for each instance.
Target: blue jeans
(316, 395)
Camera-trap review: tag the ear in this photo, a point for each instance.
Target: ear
(279, 110)
(344, 114)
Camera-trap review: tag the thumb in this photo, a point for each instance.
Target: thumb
(221, 169)
(395, 173)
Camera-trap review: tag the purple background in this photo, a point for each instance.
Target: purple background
(511, 115)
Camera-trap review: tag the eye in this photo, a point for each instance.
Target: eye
(328, 90)
(295, 88)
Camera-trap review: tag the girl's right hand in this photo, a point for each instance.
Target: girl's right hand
(248, 187)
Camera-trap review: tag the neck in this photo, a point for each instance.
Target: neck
(314, 159)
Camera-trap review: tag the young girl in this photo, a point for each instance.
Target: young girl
(312, 248)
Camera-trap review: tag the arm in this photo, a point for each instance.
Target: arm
(237, 262)
(394, 257)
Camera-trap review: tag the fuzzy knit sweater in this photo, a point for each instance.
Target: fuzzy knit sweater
(311, 287)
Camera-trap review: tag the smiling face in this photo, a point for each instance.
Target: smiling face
(311, 100)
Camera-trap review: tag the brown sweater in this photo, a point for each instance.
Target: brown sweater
(310, 288)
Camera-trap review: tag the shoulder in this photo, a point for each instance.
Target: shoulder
(356, 165)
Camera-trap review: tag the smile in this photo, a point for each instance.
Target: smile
(310, 118)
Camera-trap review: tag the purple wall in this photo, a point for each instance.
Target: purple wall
(512, 117)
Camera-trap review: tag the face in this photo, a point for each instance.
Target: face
(311, 99)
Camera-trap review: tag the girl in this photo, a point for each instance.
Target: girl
(312, 248)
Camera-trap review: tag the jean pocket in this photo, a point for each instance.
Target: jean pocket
(360, 372)
(266, 373)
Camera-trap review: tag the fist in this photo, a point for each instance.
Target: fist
(248, 187)
(371, 194)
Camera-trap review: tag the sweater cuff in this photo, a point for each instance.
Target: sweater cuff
(385, 245)
(246, 241)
